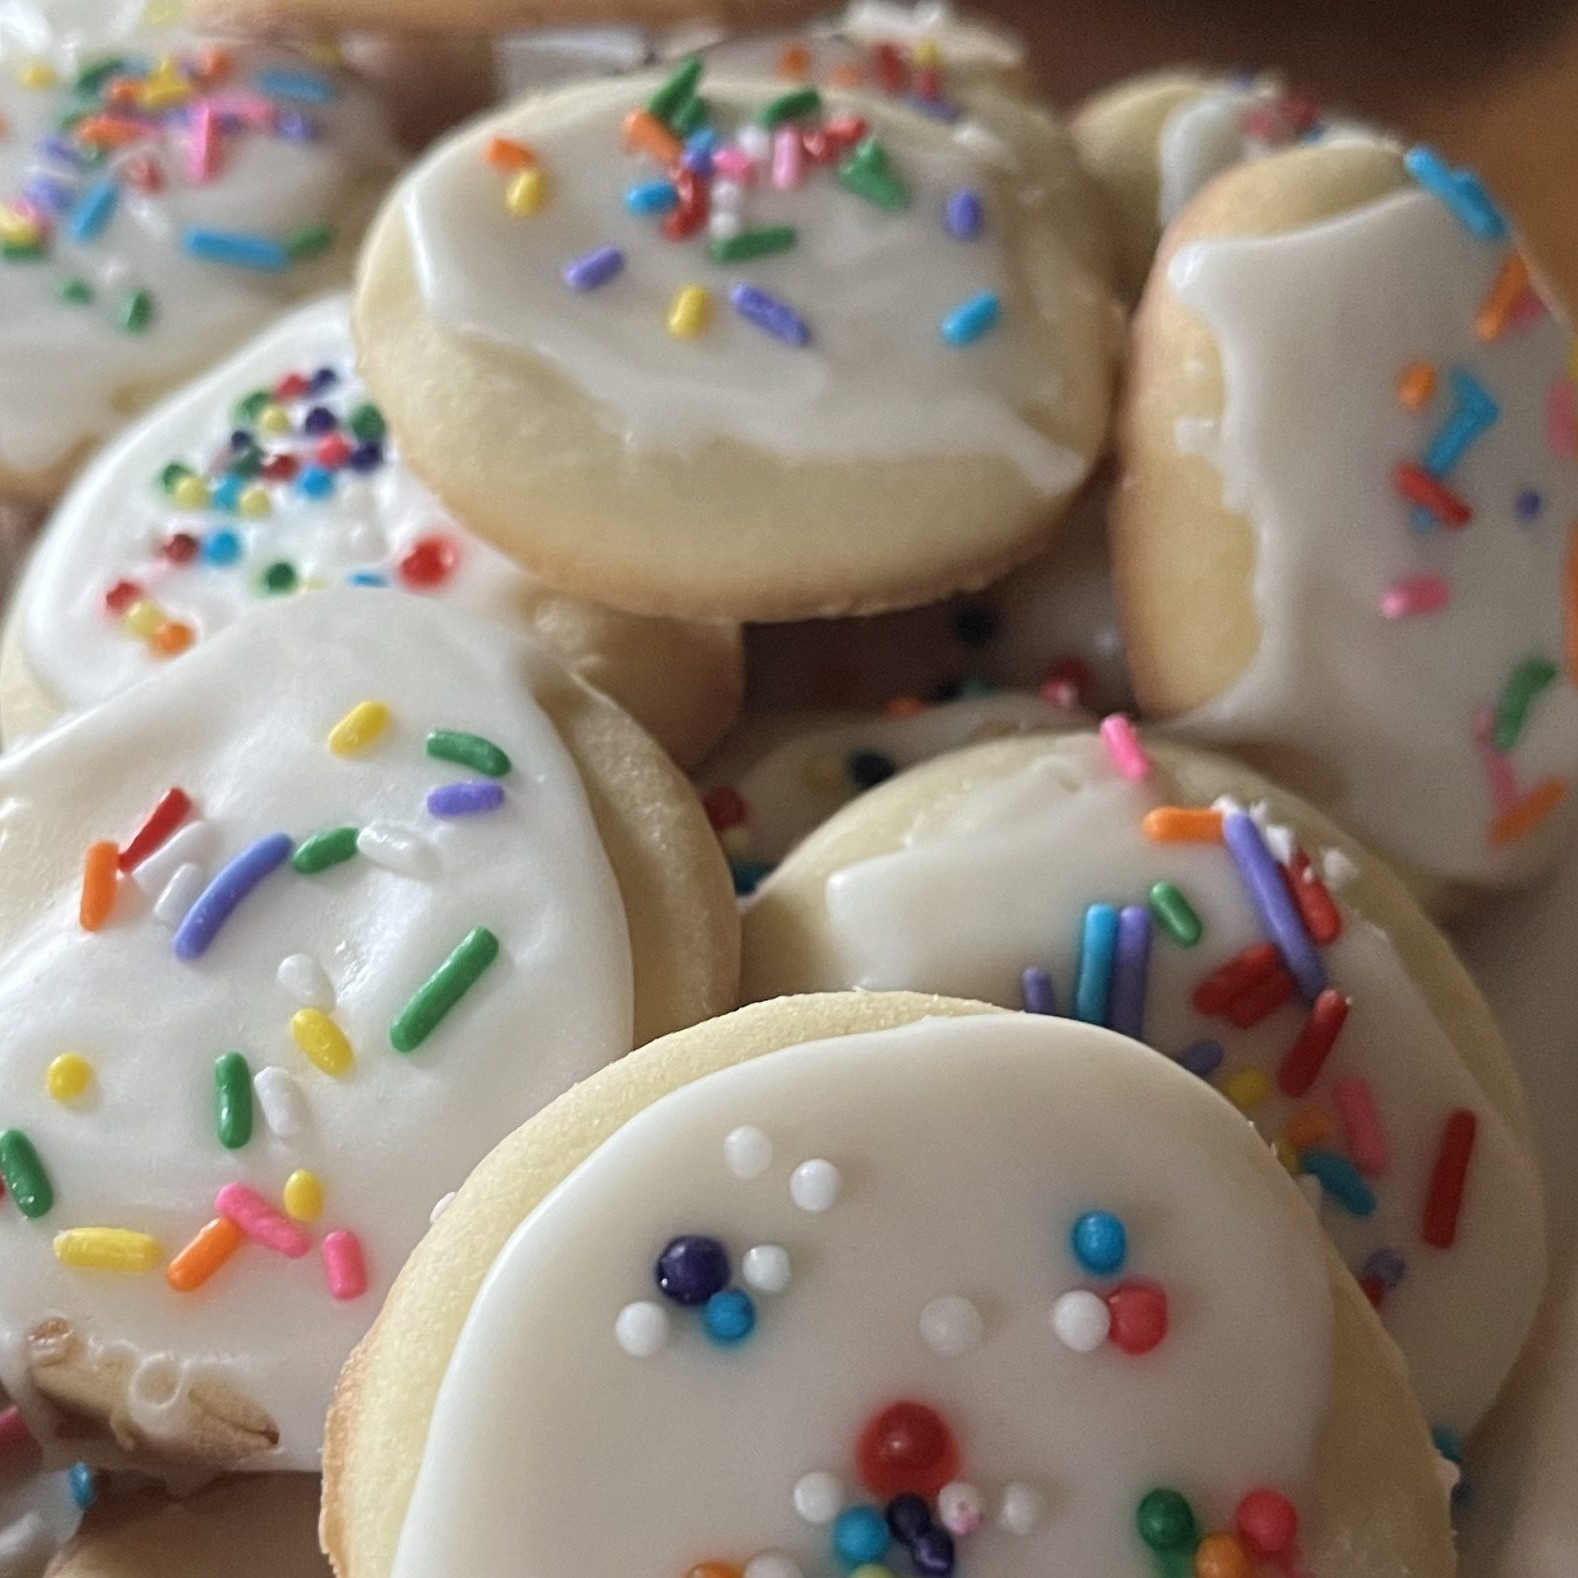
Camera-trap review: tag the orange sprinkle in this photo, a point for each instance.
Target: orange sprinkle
(1495, 312)
(171, 638)
(98, 884)
(109, 131)
(848, 76)
(645, 133)
(1524, 815)
(123, 93)
(1570, 604)
(1176, 824)
(795, 62)
(215, 64)
(904, 707)
(1417, 386)
(206, 1253)
(504, 153)
(1309, 1130)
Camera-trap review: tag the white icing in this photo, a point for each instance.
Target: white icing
(874, 286)
(1204, 136)
(1012, 865)
(397, 1130)
(65, 368)
(540, 1455)
(541, 57)
(37, 1516)
(114, 522)
(1315, 329)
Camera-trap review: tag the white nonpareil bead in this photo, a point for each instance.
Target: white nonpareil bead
(814, 1185)
(961, 1509)
(819, 1497)
(765, 1268)
(1021, 1509)
(951, 1326)
(1081, 1320)
(642, 1329)
(747, 1151)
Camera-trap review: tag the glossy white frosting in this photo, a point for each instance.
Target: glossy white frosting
(966, 1149)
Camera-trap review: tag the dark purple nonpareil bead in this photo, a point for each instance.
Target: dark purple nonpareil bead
(691, 1269)
(909, 1517)
(932, 1553)
(320, 419)
(366, 457)
(1203, 1058)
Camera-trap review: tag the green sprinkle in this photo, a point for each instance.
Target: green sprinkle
(332, 847)
(795, 105)
(367, 423)
(691, 116)
(24, 1174)
(250, 407)
(233, 1098)
(77, 291)
(1166, 1522)
(444, 988)
(137, 312)
(174, 473)
(22, 251)
(678, 90)
(311, 241)
(91, 78)
(871, 153)
(754, 244)
(1525, 682)
(280, 577)
(874, 184)
(469, 750)
(1175, 915)
(248, 463)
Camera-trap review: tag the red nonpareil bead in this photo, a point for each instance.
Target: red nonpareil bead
(892, 74)
(907, 1448)
(280, 468)
(1139, 1316)
(429, 561)
(332, 451)
(121, 596)
(1268, 1524)
(292, 387)
(725, 808)
(180, 547)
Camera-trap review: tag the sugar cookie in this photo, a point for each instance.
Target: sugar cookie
(379, 905)
(870, 378)
(1039, 871)
(162, 195)
(272, 474)
(1342, 539)
(913, 1282)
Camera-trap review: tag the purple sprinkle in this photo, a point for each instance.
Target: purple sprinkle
(1130, 972)
(595, 269)
(1040, 996)
(468, 798)
(65, 152)
(294, 126)
(933, 109)
(219, 899)
(52, 195)
(964, 217)
(1279, 916)
(770, 315)
(1204, 1058)
(1386, 1266)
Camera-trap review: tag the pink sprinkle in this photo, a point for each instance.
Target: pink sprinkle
(18, 1450)
(1418, 594)
(1504, 791)
(734, 164)
(252, 109)
(1123, 746)
(343, 1265)
(261, 1222)
(1561, 418)
(788, 159)
(202, 152)
(1527, 309)
(1361, 1126)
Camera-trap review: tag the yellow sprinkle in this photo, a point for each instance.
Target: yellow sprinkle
(927, 52)
(162, 13)
(254, 502)
(303, 1196)
(359, 728)
(106, 1249)
(16, 229)
(38, 74)
(1247, 1088)
(274, 419)
(736, 842)
(690, 313)
(164, 87)
(526, 192)
(322, 1040)
(191, 493)
(69, 1075)
(1286, 1154)
(825, 774)
(325, 52)
(143, 618)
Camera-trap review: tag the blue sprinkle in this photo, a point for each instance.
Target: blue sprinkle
(1268, 892)
(1530, 504)
(963, 216)
(1460, 190)
(1448, 1443)
(652, 197)
(237, 249)
(1093, 982)
(749, 875)
(315, 482)
(218, 901)
(94, 210)
(226, 493)
(1202, 1058)
(729, 1316)
(83, 1484)
(595, 269)
(699, 149)
(770, 315)
(860, 1535)
(1037, 992)
(1131, 972)
(366, 578)
(1387, 1267)
(933, 109)
(972, 319)
(1340, 1180)
(1100, 1243)
(307, 87)
(468, 798)
(54, 196)
(1473, 413)
(221, 547)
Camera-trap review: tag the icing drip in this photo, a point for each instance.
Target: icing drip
(899, 1308)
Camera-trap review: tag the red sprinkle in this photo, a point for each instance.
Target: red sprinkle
(892, 73)
(845, 131)
(1430, 493)
(180, 548)
(1449, 1176)
(121, 596)
(1318, 910)
(725, 808)
(429, 561)
(18, 1450)
(1139, 1316)
(173, 808)
(1362, 1130)
(1301, 1067)
(1262, 1000)
(906, 1449)
(1213, 995)
(694, 206)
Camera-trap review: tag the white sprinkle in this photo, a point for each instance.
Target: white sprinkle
(814, 1185)
(1226, 804)
(819, 1497)
(756, 143)
(1081, 1320)
(972, 136)
(440, 1208)
(1336, 870)
(284, 1106)
(642, 1329)
(724, 226)
(181, 892)
(397, 849)
(961, 1509)
(305, 979)
(193, 844)
(766, 1268)
(773, 1564)
(1021, 1508)
(728, 197)
(747, 1152)
(1279, 840)
(951, 1326)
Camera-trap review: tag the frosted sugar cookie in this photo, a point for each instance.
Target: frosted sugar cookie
(1343, 538)
(162, 194)
(827, 358)
(1245, 939)
(293, 932)
(275, 474)
(920, 1289)
(39, 1509)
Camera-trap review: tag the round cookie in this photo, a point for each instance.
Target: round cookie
(846, 1154)
(779, 775)
(163, 193)
(1036, 871)
(273, 474)
(880, 414)
(391, 897)
(1342, 538)
(491, 15)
